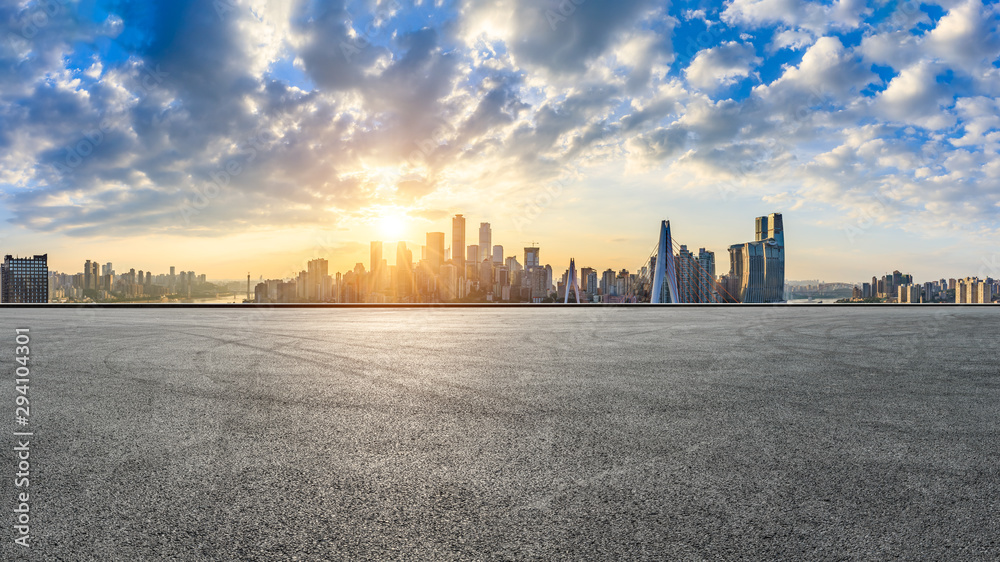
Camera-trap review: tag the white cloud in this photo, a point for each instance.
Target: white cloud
(915, 97)
(966, 37)
(812, 16)
(897, 48)
(722, 65)
(790, 39)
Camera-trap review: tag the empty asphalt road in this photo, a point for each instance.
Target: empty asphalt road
(507, 434)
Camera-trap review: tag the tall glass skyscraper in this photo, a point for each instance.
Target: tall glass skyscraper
(24, 280)
(458, 244)
(758, 267)
(485, 241)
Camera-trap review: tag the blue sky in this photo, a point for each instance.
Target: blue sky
(233, 135)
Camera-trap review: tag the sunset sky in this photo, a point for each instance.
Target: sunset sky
(232, 136)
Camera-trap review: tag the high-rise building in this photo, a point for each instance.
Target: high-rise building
(435, 251)
(585, 285)
(538, 283)
(687, 277)
(375, 267)
(458, 244)
(316, 274)
(485, 277)
(707, 291)
(485, 240)
(531, 257)
(25, 280)
(608, 285)
(984, 292)
(908, 293)
(758, 267)
(973, 290)
(90, 275)
(448, 285)
(404, 272)
(498, 254)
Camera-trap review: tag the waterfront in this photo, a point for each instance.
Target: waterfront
(534, 433)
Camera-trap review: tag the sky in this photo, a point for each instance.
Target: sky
(234, 136)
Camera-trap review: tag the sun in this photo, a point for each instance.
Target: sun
(392, 225)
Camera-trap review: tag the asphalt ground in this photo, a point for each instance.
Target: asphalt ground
(589, 433)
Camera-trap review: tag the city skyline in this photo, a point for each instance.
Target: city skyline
(292, 261)
(872, 127)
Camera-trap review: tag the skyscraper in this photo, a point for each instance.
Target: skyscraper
(498, 254)
(435, 251)
(25, 280)
(758, 267)
(90, 275)
(375, 267)
(687, 278)
(485, 240)
(706, 276)
(531, 257)
(316, 274)
(458, 244)
(404, 272)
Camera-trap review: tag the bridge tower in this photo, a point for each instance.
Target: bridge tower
(571, 283)
(664, 270)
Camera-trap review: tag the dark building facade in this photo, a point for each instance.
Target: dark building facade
(24, 280)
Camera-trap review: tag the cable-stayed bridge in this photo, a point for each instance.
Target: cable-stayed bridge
(662, 280)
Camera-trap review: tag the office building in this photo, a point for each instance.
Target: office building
(90, 275)
(498, 255)
(25, 280)
(707, 291)
(531, 257)
(435, 252)
(404, 272)
(375, 267)
(316, 274)
(485, 241)
(758, 267)
(458, 244)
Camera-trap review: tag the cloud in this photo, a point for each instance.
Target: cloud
(790, 39)
(558, 36)
(815, 17)
(966, 37)
(916, 97)
(268, 115)
(721, 66)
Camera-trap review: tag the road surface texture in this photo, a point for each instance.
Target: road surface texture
(508, 434)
